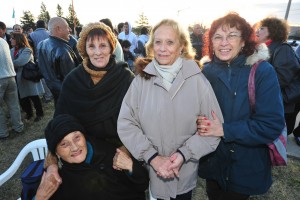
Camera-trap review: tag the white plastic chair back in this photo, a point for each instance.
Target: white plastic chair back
(38, 149)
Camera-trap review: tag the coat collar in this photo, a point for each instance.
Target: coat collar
(261, 53)
(188, 69)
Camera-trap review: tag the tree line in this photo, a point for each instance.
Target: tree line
(28, 20)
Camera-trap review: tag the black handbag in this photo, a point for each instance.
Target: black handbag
(31, 72)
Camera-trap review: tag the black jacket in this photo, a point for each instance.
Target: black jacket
(98, 180)
(286, 65)
(56, 59)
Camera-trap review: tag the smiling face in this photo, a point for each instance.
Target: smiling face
(98, 50)
(72, 148)
(227, 43)
(166, 46)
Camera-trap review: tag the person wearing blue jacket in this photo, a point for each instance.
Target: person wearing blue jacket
(241, 164)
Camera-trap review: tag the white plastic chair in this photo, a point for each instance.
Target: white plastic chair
(38, 149)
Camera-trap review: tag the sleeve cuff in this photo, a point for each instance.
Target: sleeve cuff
(152, 157)
(181, 154)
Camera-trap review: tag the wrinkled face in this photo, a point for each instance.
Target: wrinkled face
(98, 51)
(166, 46)
(262, 34)
(227, 43)
(72, 148)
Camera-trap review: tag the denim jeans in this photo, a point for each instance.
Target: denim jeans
(9, 95)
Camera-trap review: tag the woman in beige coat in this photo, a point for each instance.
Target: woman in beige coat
(157, 121)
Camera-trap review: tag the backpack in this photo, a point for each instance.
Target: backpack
(31, 178)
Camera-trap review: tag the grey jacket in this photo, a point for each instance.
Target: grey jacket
(154, 120)
(25, 87)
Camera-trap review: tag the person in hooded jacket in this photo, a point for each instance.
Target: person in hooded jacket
(241, 165)
(127, 34)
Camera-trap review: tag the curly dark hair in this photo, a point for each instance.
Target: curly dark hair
(278, 28)
(232, 19)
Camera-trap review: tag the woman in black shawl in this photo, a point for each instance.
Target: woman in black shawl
(93, 92)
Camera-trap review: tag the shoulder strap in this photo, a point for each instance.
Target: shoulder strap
(251, 85)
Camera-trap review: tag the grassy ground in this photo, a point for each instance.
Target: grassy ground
(286, 179)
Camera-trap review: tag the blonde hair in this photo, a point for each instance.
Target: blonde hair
(184, 39)
(97, 29)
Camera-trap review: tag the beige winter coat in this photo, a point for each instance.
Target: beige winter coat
(153, 119)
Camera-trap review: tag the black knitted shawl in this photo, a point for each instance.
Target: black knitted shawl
(96, 106)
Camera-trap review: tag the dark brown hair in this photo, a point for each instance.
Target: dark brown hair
(278, 29)
(232, 19)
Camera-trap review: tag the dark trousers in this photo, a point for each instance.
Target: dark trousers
(214, 192)
(185, 196)
(27, 106)
(290, 119)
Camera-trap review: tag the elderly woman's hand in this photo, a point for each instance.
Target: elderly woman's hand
(177, 161)
(208, 127)
(122, 161)
(161, 165)
(47, 187)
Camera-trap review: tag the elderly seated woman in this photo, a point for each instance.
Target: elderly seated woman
(89, 168)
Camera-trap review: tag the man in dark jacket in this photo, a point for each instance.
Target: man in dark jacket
(4, 35)
(56, 57)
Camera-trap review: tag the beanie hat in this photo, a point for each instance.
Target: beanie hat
(59, 127)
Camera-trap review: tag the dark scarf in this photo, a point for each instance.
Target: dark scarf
(96, 105)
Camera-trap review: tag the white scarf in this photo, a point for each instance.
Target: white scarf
(168, 72)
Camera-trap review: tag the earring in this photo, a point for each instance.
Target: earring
(59, 163)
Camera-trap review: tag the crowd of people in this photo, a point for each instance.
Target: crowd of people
(152, 111)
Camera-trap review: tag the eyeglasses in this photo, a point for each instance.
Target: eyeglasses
(229, 38)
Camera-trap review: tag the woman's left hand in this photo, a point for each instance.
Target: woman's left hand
(122, 161)
(177, 161)
(208, 127)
